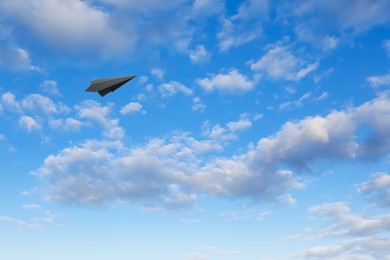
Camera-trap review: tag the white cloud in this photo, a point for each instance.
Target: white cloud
(354, 249)
(84, 24)
(9, 102)
(50, 87)
(198, 105)
(227, 132)
(346, 15)
(173, 88)
(173, 170)
(380, 80)
(280, 63)
(95, 112)
(231, 36)
(67, 124)
(207, 7)
(307, 97)
(243, 27)
(29, 123)
(158, 73)
(337, 135)
(16, 58)
(31, 206)
(20, 223)
(32, 103)
(231, 82)
(132, 107)
(377, 189)
(199, 54)
(38, 104)
(363, 236)
(386, 44)
(162, 174)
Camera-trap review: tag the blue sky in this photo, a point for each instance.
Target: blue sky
(254, 129)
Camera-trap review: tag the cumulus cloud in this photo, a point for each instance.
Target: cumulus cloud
(207, 7)
(335, 136)
(16, 58)
(347, 14)
(9, 102)
(348, 18)
(50, 87)
(199, 54)
(227, 132)
(158, 73)
(67, 124)
(33, 103)
(173, 88)
(377, 189)
(85, 24)
(280, 63)
(163, 173)
(95, 112)
(198, 105)
(29, 123)
(379, 80)
(244, 26)
(38, 104)
(231, 82)
(386, 44)
(363, 236)
(132, 107)
(172, 171)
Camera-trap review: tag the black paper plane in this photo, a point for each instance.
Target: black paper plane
(105, 86)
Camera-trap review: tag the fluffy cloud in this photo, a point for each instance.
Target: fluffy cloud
(280, 63)
(312, 23)
(39, 104)
(171, 172)
(380, 80)
(336, 135)
(347, 14)
(231, 82)
(158, 73)
(15, 58)
(33, 103)
(163, 173)
(95, 112)
(197, 104)
(84, 24)
(207, 7)
(9, 102)
(199, 54)
(377, 189)
(29, 123)
(173, 88)
(50, 87)
(227, 132)
(386, 44)
(367, 242)
(67, 124)
(132, 107)
(243, 27)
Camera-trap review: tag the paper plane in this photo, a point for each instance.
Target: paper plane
(107, 85)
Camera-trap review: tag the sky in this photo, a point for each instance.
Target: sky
(253, 130)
